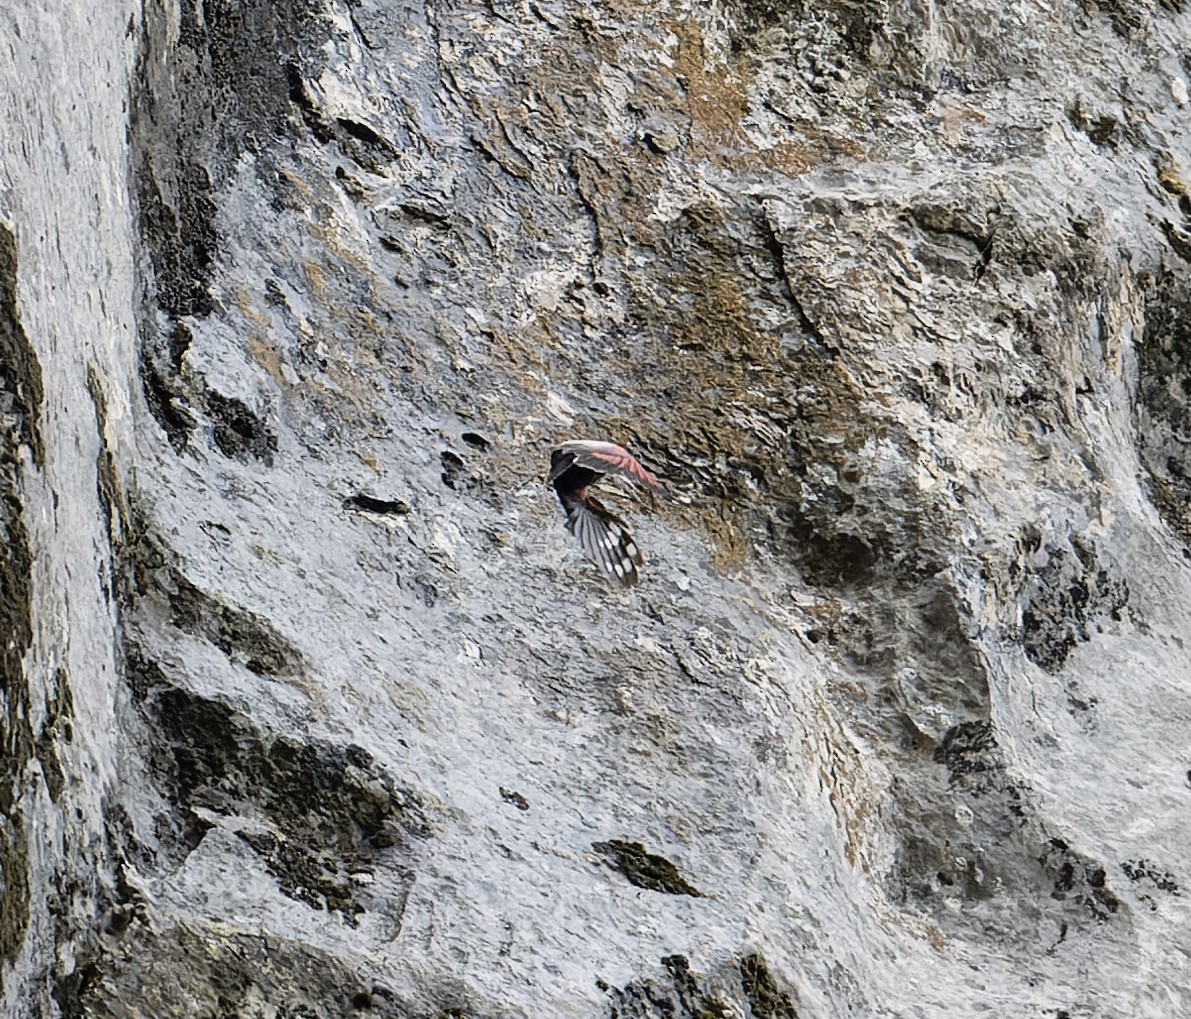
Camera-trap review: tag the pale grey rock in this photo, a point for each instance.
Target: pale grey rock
(310, 708)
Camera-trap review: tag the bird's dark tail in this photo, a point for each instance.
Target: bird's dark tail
(605, 538)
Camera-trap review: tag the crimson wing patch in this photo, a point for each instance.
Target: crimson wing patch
(608, 458)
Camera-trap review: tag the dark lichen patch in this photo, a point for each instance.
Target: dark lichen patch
(930, 868)
(119, 902)
(21, 391)
(245, 637)
(167, 393)
(199, 970)
(1164, 398)
(203, 95)
(92, 904)
(14, 870)
(238, 432)
(177, 832)
(1064, 597)
(322, 814)
(177, 220)
(51, 767)
(1078, 880)
(142, 569)
(968, 834)
(1101, 127)
(16, 587)
(1144, 870)
(766, 999)
(313, 878)
(679, 994)
(644, 869)
(1129, 20)
(20, 400)
(71, 989)
(136, 554)
(967, 750)
(683, 993)
(218, 87)
(57, 728)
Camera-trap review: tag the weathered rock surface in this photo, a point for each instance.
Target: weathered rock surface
(312, 709)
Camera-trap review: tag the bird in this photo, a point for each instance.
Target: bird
(576, 465)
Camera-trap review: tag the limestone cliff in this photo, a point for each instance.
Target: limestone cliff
(311, 707)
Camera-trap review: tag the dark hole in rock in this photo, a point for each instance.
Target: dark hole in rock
(363, 133)
(392, 507)
(452, 467)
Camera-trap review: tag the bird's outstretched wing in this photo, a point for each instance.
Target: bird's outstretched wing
(608, 458)
(605, 539)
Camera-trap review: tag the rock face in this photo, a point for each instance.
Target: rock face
(311, 708)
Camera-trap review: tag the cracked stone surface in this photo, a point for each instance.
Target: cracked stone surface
(310, 705)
